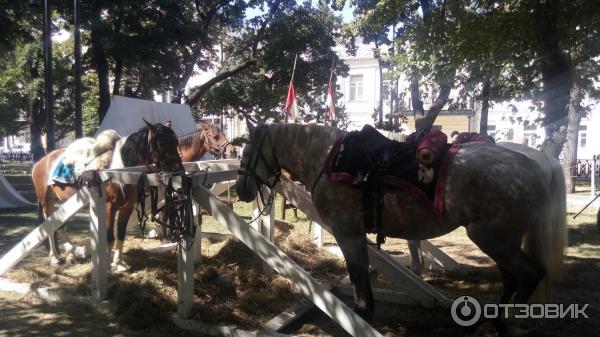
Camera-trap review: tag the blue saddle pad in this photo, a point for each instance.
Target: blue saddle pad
(62, 173)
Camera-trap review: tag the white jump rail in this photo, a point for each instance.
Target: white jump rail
(282, 264)
(267, 251)
(58, 218)
(417, 290)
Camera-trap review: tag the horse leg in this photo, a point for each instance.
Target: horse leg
(111, 211)
(67, 245)
(510, 283)
(47, 205)
(354, 248)
(124, 214)
(416, 256)
(509, 257)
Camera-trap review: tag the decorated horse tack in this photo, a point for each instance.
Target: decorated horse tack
(510, 199)
(153, 145)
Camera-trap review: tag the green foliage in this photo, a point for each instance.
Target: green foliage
(464, 42)
(303, 30)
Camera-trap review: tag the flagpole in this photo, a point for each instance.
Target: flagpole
(292, 81)
(332, 65)
(333, 91)
(294, 69)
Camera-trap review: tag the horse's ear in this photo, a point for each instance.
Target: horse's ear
(250, 126)
(168, 124)
(150, 126)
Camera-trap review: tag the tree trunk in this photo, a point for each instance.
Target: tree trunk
(557, 77)
(101, 64)
(36, 123)
(572, 138)
(380, 103)
(485, 106)
(118, 77)
(425, 123)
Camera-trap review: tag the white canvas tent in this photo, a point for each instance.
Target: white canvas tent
(9, 197)
(125, 115)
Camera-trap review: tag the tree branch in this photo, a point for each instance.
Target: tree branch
(198, 91)
(425, 123)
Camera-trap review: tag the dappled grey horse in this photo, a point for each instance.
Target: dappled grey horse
(510, 199)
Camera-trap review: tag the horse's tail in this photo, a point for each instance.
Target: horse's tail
(547, 239)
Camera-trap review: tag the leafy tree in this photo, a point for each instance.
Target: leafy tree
(151, 44)
(303, 30)
(522, 49)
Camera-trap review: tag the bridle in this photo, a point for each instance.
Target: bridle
(216, 150)
(249, 171)
(164, 156)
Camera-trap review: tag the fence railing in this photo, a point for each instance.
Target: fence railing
(584, 168)
(11, 157)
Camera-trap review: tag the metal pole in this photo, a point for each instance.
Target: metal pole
(77, 38)
(593, 177)
(48, 94)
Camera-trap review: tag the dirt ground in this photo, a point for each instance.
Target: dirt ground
(231, 288)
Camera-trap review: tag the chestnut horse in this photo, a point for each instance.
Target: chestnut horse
(207, 139)
(151, 145)
(510, 198)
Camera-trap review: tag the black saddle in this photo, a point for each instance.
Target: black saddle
(366, 153)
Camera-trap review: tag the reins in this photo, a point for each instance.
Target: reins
(251, 172)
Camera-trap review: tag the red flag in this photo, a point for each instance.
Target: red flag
(291, 105)
(330, 101)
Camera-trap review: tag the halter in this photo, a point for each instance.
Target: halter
(250, 171)
(164, 156)
(216, 150)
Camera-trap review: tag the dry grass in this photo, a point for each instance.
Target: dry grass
(231, 288)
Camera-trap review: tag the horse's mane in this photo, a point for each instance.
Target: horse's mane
(189, 139)
(135, 149)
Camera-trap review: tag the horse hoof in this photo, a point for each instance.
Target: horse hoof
(82, 252)
(152, 234)
(119, 267)
(55, 261)
(70, 259)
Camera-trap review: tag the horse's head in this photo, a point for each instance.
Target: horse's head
(259, 165)
(216, 143)
(163, 147)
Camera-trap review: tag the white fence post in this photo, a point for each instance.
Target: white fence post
(98, 244)
(185, 280)
(317, 234)
(198, 237)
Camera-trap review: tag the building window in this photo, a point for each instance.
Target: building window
(582, 139)
(530, 127)
(582, 136)
(491, 131)
(386, 90)
(356, 87)
(531, 138)
(510, 134)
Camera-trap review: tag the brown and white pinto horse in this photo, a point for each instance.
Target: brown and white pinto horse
(152, 145)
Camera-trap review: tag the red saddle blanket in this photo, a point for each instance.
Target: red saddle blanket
(351, 161)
